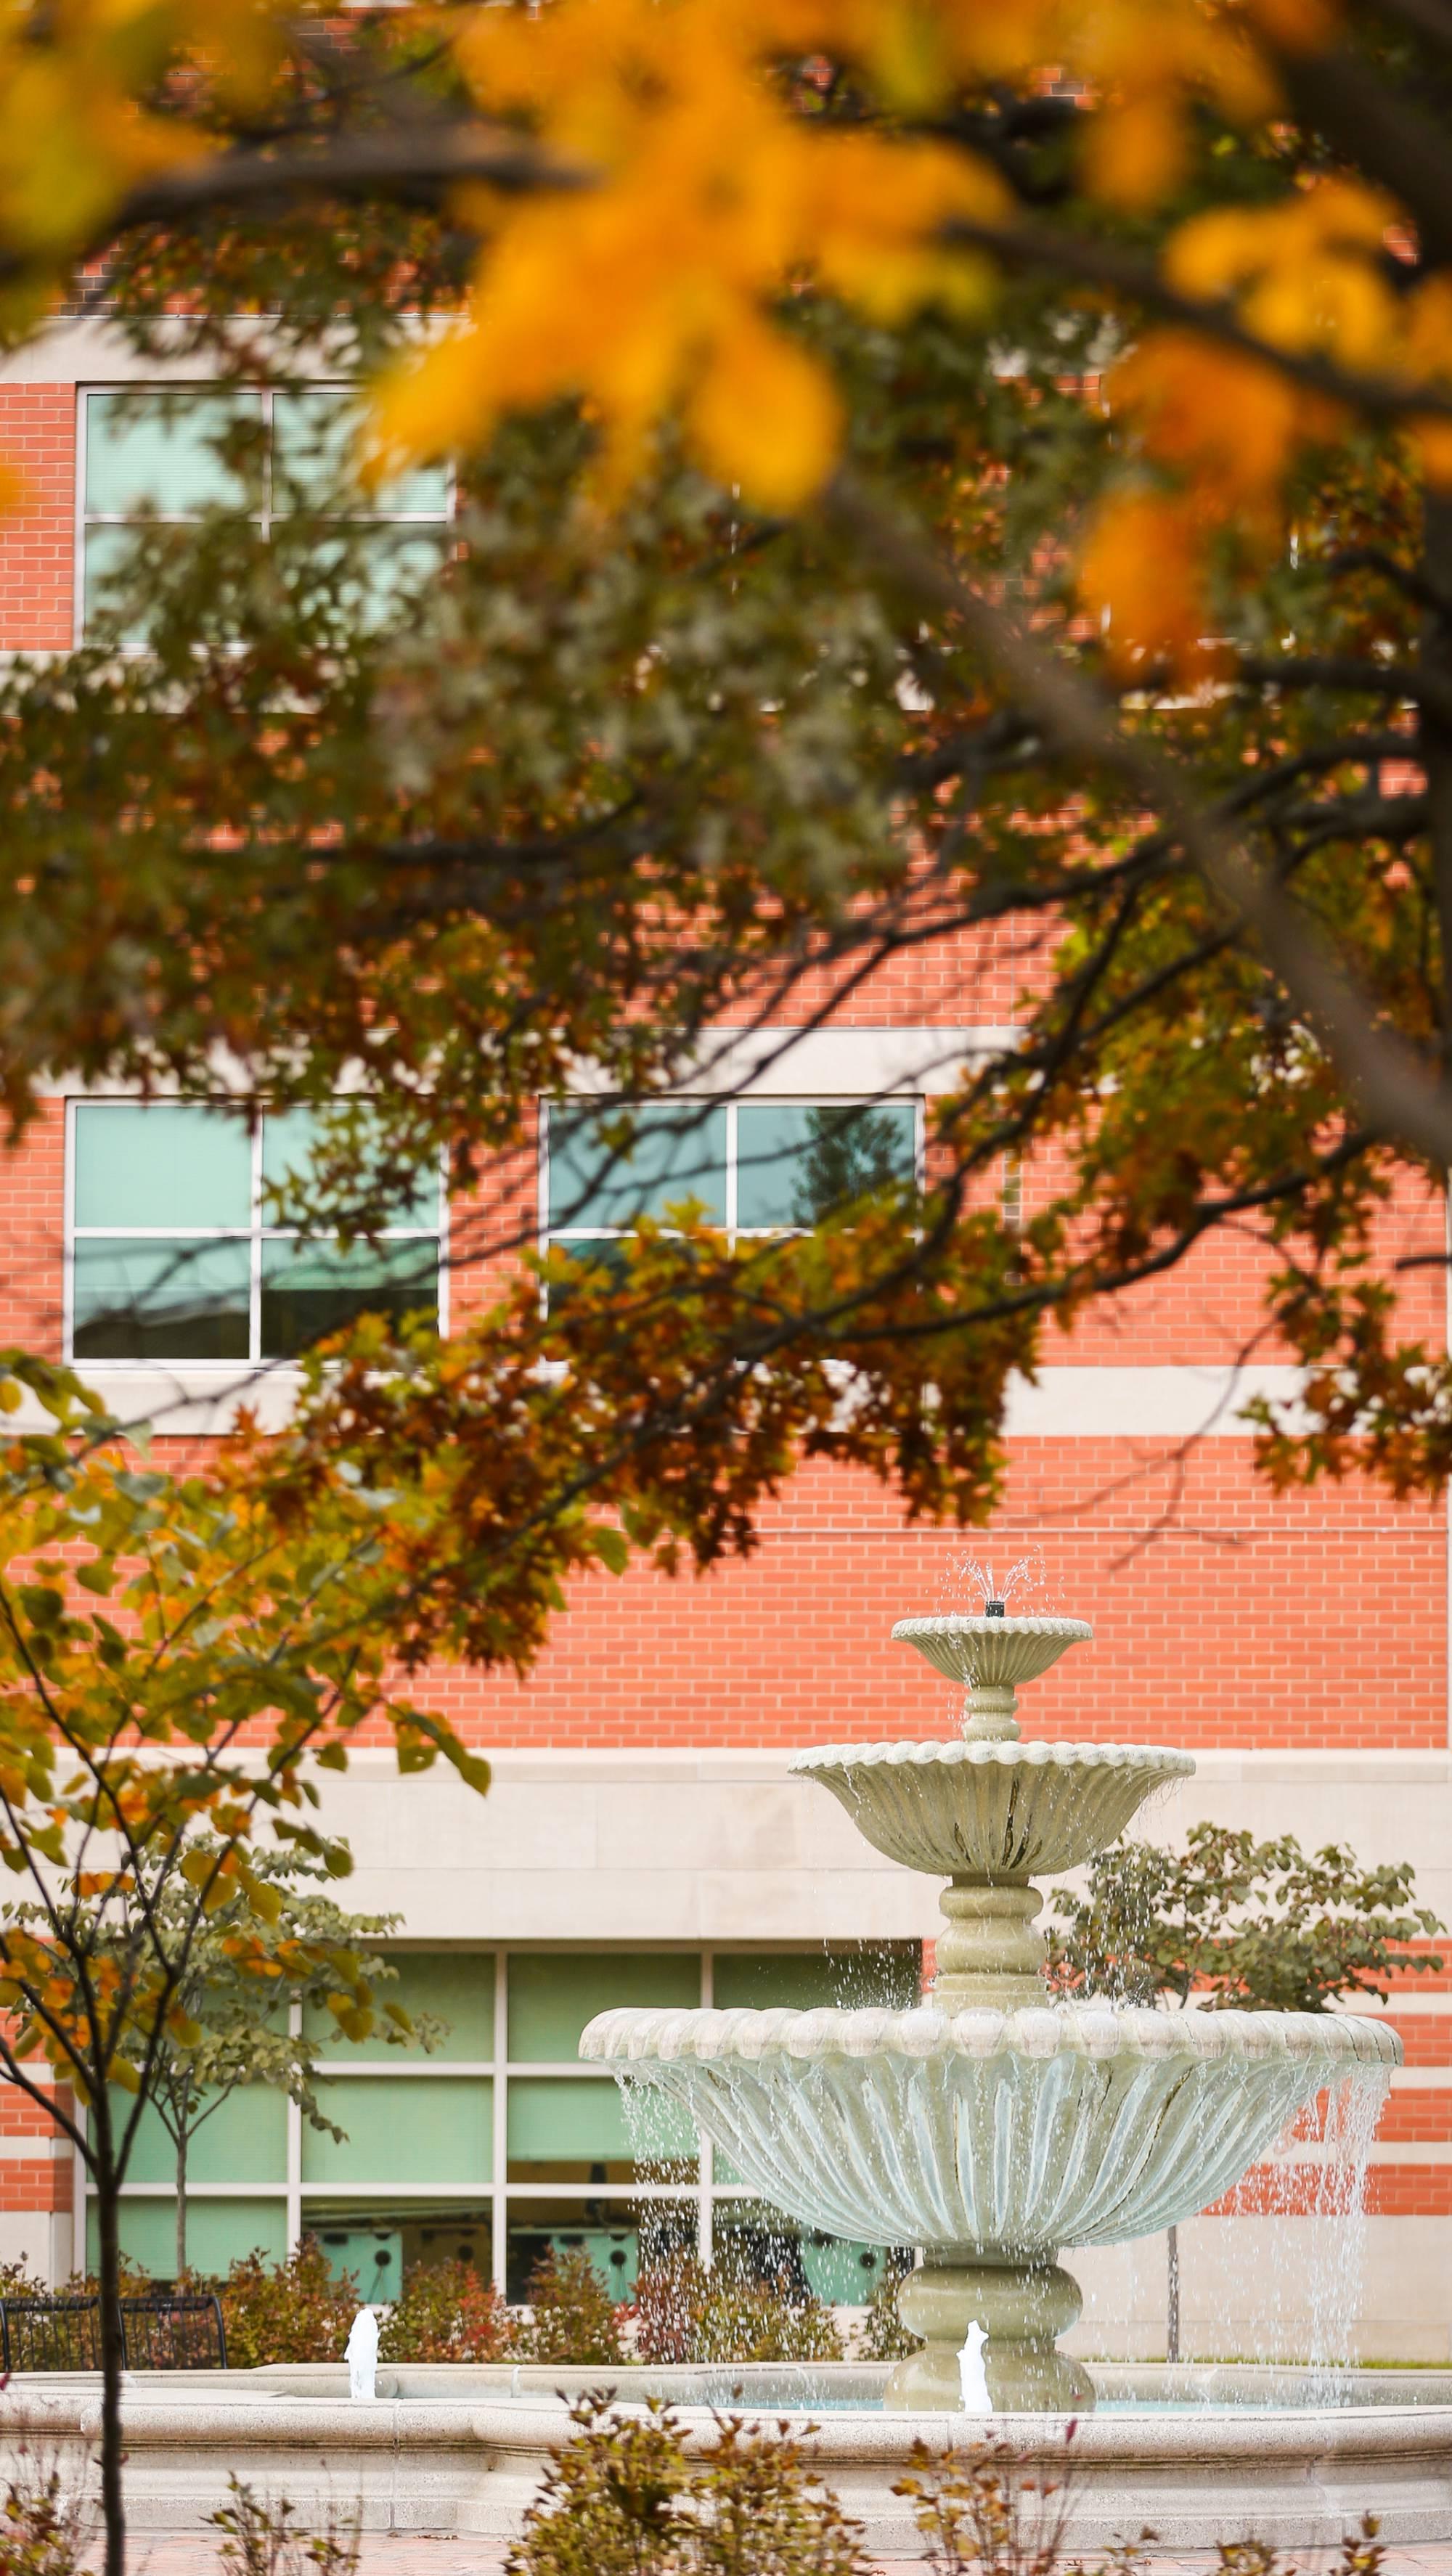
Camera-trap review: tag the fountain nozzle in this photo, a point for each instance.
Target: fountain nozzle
(993, 1610)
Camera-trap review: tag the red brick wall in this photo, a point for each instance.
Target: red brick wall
(37, 541)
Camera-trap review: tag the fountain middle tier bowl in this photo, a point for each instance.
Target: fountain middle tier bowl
(1002, 1809)
(1080, 2124)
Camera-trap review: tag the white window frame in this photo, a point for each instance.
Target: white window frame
(260, 518)
(256, 1235)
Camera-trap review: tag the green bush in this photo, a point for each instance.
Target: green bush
(288, 2311)
(1258, 1927)
(260, 2538)
(684, 2313)
(447, 2313)
(574, 2319)
(44, 2531)
(624, 2498)
(882, 2336)
(981, 2514)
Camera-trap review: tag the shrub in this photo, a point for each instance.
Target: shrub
(980, 2515)
(288, 2311)
(684, 2313)
(624, 2498)
(260, 2538)
(447, 2313)
(978, 2511)
(882, 2336)
(574, 2317)
(1262, 1927)
(44, 2531)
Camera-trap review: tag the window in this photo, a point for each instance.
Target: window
(501, 2144)
(278, 461)
(758, 1167)
(173, 1255)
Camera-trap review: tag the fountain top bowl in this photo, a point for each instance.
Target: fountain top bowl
(990, 1652)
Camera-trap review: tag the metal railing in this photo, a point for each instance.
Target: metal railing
(162, 2330)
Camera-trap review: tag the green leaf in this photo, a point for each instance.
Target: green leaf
(42, 1605)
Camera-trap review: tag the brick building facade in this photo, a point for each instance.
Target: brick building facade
(642, 1840)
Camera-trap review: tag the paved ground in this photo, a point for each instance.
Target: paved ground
(424, 2555)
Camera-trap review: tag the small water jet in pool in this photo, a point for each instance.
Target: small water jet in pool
(987, 2125)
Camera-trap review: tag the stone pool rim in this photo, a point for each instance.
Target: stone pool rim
(468, 2459)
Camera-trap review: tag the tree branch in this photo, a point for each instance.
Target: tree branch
(1400, 1095)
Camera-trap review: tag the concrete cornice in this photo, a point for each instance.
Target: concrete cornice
(772, 1763)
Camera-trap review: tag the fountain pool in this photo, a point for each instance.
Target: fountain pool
(1196, 2455)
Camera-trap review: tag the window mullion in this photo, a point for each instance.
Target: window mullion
(731, 1174)
(266, 515)
(705, 2151)
(499, 2158)
(254, 1276)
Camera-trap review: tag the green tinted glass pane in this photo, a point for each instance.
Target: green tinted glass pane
(134, 575)
(244, 2140)
(795, 1165)
(289, 1139)
(456, 1987)
(609, 1167)
(580, 2121)
(843, 2273)
(313, 447)
(371, 2258)
(110, 554)
(218, 2232)
(164, 1166)
(884, 1973)
(551, 1999)
(558, 2121)
(433, 2132)
(160, 452)
(370, 578)
(312, 1289)
(159, 1301)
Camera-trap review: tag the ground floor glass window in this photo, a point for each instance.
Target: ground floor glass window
(498, 2145)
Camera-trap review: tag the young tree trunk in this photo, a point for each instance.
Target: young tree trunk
(1172, 2310)
(108, 2228)
(181, 2203)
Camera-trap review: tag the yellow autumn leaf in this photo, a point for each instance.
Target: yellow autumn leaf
(765, 415)
(428, 406)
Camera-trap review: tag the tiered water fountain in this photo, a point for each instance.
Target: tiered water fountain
(989, 2125)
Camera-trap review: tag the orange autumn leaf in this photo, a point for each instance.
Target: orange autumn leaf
(1225, 421)
(1142, 572)
(1134, 151)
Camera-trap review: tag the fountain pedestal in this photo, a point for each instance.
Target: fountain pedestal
(1022, 2306)
(989, 1952)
